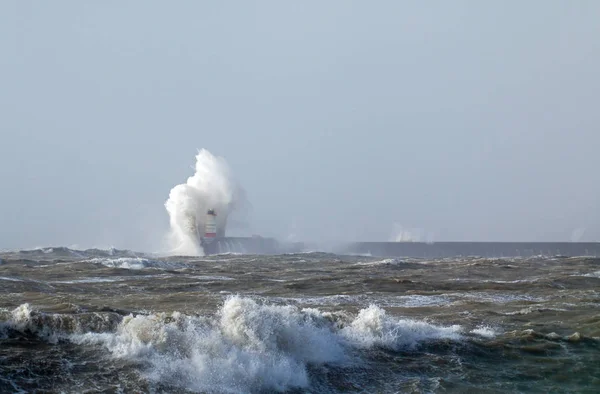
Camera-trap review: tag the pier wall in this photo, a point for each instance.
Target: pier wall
(483, 249)
(260, 245)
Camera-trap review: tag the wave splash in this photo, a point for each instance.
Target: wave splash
(245, 346)
(211, 187)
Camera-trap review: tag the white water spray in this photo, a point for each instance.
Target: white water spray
(405, 234)
(211, 187)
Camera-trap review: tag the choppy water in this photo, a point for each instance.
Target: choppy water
(110, 321)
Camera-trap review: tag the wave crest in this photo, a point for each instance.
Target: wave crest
(245, 346)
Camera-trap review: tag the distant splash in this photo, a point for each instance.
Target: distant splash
(211, 187)
(405, 234)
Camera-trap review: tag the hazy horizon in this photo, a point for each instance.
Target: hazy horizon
(342, 121)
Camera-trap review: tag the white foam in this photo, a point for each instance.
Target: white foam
(52, 327)
(593, 274)
(484, 331)
(209, 277)
(133, 263)
(246, 346)
(256, 347)
(533, 280)
(87, 280)
(405, 301)
(417, 301)
(20, 320)
(533, 309)
(331, 300)
(380, 262)
(497, 298)
(372, 327)
(10, 279)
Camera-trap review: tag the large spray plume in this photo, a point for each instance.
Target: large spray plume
(211, 187)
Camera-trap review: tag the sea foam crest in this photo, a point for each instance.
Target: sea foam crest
(246, 346)
(372, 327)
(484, 331)
(593, 274)
(23, 319)
(53, 327)
(381, 262)
(134, 263)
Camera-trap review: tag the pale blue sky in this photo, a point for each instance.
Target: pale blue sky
(470, 120)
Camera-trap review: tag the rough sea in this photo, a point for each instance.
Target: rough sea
(117, 321)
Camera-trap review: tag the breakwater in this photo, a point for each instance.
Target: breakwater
(483, 249)
(269, 246)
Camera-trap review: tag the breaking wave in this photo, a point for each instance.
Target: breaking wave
(592, 275)
(135, 263)
(381, 262)
(62, 251)
(246, 346)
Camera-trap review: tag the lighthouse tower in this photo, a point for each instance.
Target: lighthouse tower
(210, 228)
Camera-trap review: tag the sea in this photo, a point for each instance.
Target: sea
(117, 321)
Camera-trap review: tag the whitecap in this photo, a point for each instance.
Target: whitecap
(246, 346)
(87, 280)
(10, 279)
(484, 331)
(372, 327)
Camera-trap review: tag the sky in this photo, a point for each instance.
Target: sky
(342, 120)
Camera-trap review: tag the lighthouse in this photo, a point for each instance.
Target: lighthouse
(210, 227)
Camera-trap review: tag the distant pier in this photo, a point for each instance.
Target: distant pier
(483, 249)
(251, 245)
(269, 246)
